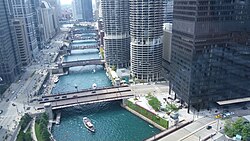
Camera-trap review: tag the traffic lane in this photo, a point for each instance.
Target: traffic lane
(90, 98)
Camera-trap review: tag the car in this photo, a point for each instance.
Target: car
(13, 104)
(12, 92)
(28, 108)
(209, 127)
(74, 96)
(56, 97)
(40, 99)
(1, 111)
(244, 108)
(64, 96)
(7, 100)
(46, 99)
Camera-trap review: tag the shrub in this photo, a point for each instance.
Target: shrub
(240, 127)
(42, 132)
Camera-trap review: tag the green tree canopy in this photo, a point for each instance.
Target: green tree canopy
(240, 127)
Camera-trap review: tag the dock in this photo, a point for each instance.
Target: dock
(58, 118)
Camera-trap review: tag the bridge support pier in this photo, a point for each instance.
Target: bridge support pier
(48, 110)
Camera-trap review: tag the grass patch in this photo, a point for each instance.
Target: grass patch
(25, 120)
(160, 121)
(154, 102)
(24, 136)
(42, 133)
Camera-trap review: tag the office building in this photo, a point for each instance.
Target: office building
(22, 10)
(9, 54)
(166, 53)
(210, 51)
(146, 31)
(48, 20)
(116, 28)
(24, 50)
(82, 10)
(169, 4)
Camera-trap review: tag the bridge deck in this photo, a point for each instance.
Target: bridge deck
(88, 97)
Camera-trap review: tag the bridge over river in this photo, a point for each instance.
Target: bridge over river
(88, 96)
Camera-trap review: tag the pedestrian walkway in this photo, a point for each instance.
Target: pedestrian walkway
(33, 132)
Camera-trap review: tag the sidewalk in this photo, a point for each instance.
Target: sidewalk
(33, 132)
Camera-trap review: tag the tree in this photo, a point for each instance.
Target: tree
(113, 68)
(240, 127)
(171, 108)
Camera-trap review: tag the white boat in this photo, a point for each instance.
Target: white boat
(88, 124)
(56, 79)
(94, 86)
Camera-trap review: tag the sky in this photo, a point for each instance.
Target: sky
(63, 2)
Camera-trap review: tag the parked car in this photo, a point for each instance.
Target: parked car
(64, 96)
(56, 97)
(244, 108)
(75, 96)
(13, 104)
(40, 99)
(46, 99)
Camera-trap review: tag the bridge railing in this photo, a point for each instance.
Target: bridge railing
(84, 90)
(55, 100)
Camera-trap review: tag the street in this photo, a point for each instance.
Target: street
(23, 90)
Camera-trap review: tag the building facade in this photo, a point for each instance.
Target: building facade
(9, 55)
(48, 20)
(169, 4)
(82, 10)
(210, 43)
(22, 10)
(116, 28)
(24, 50)
(166, 53)
(146, 31)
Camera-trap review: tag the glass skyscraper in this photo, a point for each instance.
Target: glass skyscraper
(210, 51)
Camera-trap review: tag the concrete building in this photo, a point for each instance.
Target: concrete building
(56, 5)
(116, 28)
(24, 50)
(36, 10)
(169, 4)
(82, 10)
(48, 19)
(9, 55)
(146, 31)
(210, 51)
(22, 10)
(166, 54)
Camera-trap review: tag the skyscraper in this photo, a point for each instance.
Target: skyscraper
(146, 31)
(116, 28)
(210, 43)
(82, 10)
(168, 11)
(9, 55)
(48, 20)
(22, 10)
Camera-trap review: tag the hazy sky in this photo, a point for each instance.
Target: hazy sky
(65, 2)
(69, 1)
